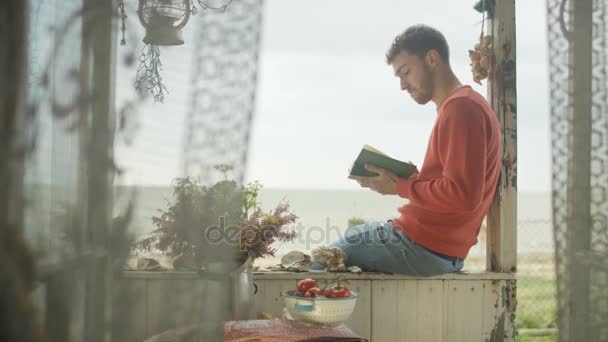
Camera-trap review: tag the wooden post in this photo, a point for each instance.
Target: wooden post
(58, 293)
(501, 246)
(579, 171)
(98, 34)
(13, 27)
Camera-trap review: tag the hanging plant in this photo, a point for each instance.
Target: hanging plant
(216, 5)
(148, 73)
(123, 19)
(163, 21)
(487, 6)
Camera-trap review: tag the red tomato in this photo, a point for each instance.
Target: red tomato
(338, 291)
(305, 284)
(313, 292)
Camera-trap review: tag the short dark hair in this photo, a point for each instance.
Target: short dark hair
(418, 40)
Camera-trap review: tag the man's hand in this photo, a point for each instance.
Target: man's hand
(385, 183)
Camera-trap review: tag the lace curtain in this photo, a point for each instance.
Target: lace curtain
(70, 110)
(577, 34)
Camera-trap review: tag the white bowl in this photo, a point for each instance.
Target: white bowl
(321, 310)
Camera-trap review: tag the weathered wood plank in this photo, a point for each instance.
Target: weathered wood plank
(157, 304)
(360, 320)
(173, 303)
(493, 311)
(58, 291)
(160, 275)
(407, 306)
(216, 300)
(387, 310)
(129, 310)
(270, 297)
(501, 247)
(462, 310)
(361, 276)
(430, 311)
(259, 296)
(384, 310)
(509, 300)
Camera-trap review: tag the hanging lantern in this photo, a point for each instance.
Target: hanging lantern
(164, 20)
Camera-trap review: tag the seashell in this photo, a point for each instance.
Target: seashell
(296, 261)
(355, 269)
(184, 262)
(332, 258)
(148, 264)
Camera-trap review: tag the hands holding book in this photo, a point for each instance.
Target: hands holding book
(384, 183)
(375, 170)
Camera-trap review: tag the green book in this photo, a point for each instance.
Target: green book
(372, 156)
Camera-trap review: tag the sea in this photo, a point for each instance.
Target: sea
(323, 215)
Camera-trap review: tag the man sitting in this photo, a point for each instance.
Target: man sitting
(451, 194)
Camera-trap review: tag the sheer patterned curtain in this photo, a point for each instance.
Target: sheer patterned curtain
(579, 132)
(52, 169)
(70, 106)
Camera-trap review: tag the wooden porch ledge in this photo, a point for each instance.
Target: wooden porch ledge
(475, 306)
(382, 276)
(326, 275)
(464, 306)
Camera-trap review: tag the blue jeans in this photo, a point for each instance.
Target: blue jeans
(381, 247)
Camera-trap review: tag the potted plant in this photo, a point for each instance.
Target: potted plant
(216, 231)
(218, 223)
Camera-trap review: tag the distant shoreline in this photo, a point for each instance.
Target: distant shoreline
(327, 212)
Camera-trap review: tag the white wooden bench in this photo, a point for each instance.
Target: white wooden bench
(466, 307)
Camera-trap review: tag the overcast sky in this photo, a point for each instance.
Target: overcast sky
(324, 90)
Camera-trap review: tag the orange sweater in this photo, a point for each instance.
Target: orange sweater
(451, 195)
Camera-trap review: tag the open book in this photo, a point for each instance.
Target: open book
(370, 155)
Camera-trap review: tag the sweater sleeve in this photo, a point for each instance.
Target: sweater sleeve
(461, 147)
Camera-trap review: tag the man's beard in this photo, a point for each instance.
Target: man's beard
(426, 90)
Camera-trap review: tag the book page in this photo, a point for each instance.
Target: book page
(372, 149)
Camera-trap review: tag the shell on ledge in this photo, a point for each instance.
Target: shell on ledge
(332, 258)
(296, 261)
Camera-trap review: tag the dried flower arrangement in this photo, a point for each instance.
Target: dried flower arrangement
(482, 54)
(259, 230)
(210, 223)
(481, 58)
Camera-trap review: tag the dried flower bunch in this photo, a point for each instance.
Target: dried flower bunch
(260, 230)
(209, 223)
(482, 55)
(481, 58)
